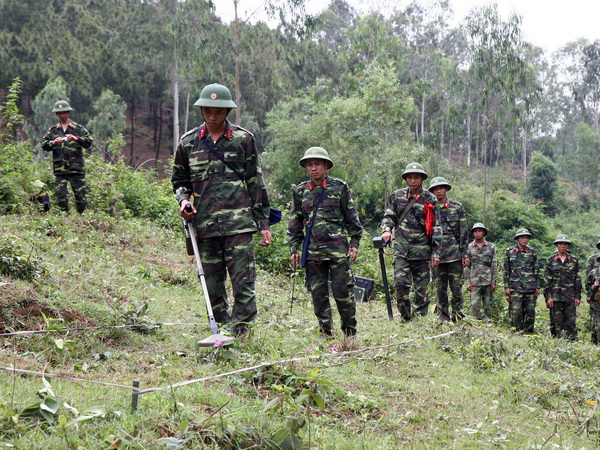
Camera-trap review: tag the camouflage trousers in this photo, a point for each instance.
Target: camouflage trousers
(481, 296)
(318, 275)
(595, 316)
(562, 320)
(233, 255)
(450, 274)
(522, 311)
(415, 272)
(77, 182)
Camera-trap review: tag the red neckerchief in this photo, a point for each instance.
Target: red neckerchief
(312, 185)
(228, 133)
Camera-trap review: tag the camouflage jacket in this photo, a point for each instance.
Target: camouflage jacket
(454, 224)
(593, 291)
(592, 263)
(336, 217)
(520, 269)
(482, 269)
(67, 157)
(226, 204)
(561, 279)
(411, 241)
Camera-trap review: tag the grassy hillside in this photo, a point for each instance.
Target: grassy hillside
(480, 386)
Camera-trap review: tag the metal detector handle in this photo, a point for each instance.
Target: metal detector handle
(388, 299)
(214, 328)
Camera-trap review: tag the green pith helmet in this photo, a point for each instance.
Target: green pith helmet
(61, 105)
(479, 225)
(439, 181)
(562, 238)
(316, 153)
(215, 96)
(522, 232)
(414, 168)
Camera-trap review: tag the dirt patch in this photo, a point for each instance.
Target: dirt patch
(21, 309)
(166, 263)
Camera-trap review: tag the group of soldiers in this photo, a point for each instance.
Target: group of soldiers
(217, 173)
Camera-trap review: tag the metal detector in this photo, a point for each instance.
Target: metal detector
(210, 341)
(379, 243)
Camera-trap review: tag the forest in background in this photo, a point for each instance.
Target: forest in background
(474, 102)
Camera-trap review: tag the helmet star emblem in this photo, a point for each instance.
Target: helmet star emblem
(213, 95)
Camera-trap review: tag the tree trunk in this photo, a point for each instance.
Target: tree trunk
(175, 82)
(469, 140)
(237, 63)
(524, 147)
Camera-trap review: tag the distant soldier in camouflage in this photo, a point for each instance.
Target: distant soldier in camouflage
(562, 289)
(324, 206)
(521, 282)
(217, 163)
(413, 215)
(453, 252)
(66, 141)
(592, 285)
(481, 272)
(593, 263)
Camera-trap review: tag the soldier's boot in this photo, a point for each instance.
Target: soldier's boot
(326, 329)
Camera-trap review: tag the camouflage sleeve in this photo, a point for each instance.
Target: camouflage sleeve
(467, 269)
(256, 187)
(494, 264)
(47, 141)
(352, 220)
(437, 237)
(181, 178)
(295, 234)
(589, 282)
(590, 266)
(85, 138)
(464, 232)
(390, 218)
(548, 279)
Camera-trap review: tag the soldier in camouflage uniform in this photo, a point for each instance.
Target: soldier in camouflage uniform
(217, 163)
(593, 263)
(521, 282)
(328, 200)
(453, 252)
(66, 141)
(562, 289)
(414, 216)
(592, 285)
(481, 272)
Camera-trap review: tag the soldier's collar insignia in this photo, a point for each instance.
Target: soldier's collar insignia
(312, 185)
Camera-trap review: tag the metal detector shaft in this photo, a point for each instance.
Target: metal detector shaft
(388, 299)
(214, 328)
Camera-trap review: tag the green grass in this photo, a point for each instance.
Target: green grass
(482, 386)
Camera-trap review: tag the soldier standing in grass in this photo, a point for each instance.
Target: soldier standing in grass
(323, 212)
(593, 263)
(453, 252)
(562, 289)
(217, 163)
(481, 272)
(66, 141)
(521, 282)
(413, 215)
(592, 285)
